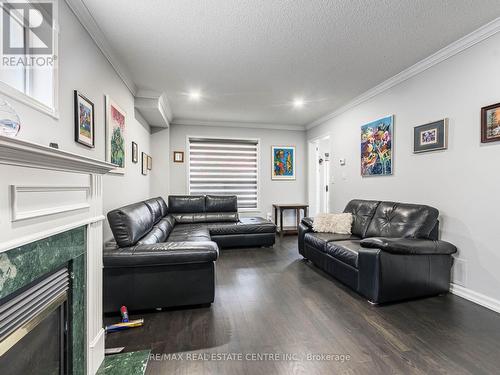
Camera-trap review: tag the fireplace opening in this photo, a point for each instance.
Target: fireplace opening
(34, 327)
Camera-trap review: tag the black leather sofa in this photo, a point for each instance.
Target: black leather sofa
(393, 253)
(164, 256)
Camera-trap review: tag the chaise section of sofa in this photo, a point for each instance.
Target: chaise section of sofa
(164, 255)
(392, 254)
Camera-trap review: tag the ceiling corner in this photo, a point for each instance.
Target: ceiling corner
(82, 13)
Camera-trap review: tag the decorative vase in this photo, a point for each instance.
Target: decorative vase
(9, 120)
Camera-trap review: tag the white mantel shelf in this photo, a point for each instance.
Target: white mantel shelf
(60, 191)
(15, 151)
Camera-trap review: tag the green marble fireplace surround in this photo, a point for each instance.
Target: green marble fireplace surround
(23, 265)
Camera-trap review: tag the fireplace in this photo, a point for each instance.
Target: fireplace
(34, 327)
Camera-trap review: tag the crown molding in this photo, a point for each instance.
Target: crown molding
(83, 14)
(236, 124)
(475, 37)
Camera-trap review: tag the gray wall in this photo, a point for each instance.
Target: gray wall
(270, 191)
(463, 182)
(83, 67)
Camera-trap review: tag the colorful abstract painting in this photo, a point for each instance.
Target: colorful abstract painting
(84, 120)
(115, 124)
(376, 147)
(283, 158)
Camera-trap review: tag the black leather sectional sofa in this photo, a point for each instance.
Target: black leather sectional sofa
(164, 256)
(393, 253)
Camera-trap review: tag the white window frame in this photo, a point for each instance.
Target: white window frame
(188, 160)
(23, 97)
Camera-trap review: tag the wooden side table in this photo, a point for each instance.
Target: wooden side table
(283, 207)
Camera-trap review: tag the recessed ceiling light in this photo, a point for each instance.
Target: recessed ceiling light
(298, 103)
(194, 95)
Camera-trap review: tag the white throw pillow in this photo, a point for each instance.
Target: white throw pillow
(333, 223)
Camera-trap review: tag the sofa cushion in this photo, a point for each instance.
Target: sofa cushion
(130, 223)
(155, 208)
(167, 253)
(402, 220)
(163, 206)
(319, 240)
(218, 203)
(186, 204)
(166, 224)
(345, 251)
(227, 217)
(155, 235)
(189, 232)
(246, 225)
(362, 212)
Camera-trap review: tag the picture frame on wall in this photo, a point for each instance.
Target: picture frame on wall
(135, 152)
(150, 163)
(144, 164)
(178, 157)
(377, 157)
(430, 137)
(490, 123)
(283, 162)
(84, 120)
(115, 135)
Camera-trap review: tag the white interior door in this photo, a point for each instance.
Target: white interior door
(319, 175)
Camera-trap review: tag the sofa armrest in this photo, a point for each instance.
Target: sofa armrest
(308, 222)
(160, 254)
(409, 246)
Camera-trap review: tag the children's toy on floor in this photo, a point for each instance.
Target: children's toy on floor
(125, 323)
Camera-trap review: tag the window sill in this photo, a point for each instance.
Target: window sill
(28, 100)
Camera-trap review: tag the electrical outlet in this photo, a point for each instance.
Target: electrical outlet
(459, 272)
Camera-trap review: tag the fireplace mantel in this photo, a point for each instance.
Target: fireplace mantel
(15, 151)
(45, 192)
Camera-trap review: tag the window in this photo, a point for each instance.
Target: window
(29, 53)
(225, 167)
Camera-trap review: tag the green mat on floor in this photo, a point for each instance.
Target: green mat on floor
(133, 363)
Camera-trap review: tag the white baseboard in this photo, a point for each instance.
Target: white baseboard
(480, 299)
(96, 353)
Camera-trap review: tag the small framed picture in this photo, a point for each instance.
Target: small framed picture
(84, 120)
(150, 163)
(135, 153)
(490, 123)
(144, 164)
(430, 137)
(178, 157)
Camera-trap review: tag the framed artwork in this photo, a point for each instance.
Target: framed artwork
(283, 162)
(430, 137)
(115, 135)
(144, 164)
(376, 147)
(178, 157)
(84, 120)
(490, 123)
(150, 163)
(135, 153)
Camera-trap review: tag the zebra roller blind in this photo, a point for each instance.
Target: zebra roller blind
(225, 167)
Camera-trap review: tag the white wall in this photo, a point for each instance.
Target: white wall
(160, 174)
(83, 67)
(462, 182)
(270, 191)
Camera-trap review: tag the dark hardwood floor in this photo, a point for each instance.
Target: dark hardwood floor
(270, 301)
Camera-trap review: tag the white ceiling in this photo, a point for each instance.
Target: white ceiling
(251, 58)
